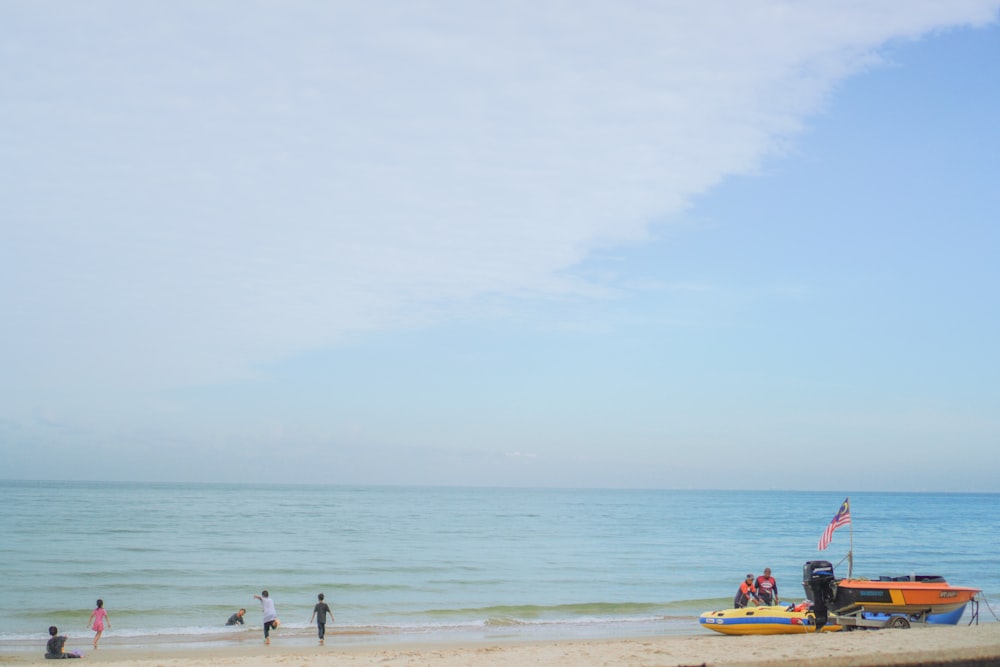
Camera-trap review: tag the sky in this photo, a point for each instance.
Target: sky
(672, 244)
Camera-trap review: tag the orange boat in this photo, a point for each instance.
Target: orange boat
(916, 594)
(923, 598)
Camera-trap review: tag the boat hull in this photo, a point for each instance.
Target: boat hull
(774, 620)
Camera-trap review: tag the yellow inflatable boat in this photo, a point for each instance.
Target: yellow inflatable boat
(775, 620)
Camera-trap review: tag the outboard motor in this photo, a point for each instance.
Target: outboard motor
(818, 582)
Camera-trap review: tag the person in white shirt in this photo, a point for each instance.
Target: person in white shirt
(270, 615)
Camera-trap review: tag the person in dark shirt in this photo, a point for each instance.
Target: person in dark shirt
(237, 618)
(55, 648)
(319, 613)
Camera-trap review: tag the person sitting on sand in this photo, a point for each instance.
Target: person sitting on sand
(237, 618)
(55, 648)
(746, 593)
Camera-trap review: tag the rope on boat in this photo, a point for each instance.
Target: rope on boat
(842, 561)
(987, 603)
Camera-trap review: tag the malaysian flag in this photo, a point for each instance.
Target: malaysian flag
(842, 518)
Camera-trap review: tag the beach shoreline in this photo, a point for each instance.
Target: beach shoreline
(956, 646)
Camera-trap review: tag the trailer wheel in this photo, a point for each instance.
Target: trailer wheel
(900, 622)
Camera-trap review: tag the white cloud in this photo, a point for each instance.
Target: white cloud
(205, 187)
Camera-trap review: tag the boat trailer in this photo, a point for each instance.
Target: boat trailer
(860, 618)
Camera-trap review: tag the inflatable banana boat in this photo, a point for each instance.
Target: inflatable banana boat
(774, 620)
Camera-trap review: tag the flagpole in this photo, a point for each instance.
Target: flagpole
(850, 553)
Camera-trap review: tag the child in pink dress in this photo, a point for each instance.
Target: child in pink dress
(97, 620)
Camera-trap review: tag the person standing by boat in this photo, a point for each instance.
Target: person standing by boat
(746, 593)
(767, 588)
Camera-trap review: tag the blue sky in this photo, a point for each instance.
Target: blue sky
(679, 245)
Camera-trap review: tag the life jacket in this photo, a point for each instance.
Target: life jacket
(744, 594)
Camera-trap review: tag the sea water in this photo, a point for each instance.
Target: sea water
(173, 561)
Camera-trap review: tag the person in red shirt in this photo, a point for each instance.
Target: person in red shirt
(767, 588)
(746, 593)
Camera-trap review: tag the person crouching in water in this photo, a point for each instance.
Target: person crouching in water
(55, 648)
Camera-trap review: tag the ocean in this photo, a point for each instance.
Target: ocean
(173, 561)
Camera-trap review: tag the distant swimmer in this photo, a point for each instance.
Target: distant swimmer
(237, 618)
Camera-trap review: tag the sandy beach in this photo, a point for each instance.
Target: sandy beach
(961, 646)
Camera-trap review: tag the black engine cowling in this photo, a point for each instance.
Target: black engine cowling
(818, 582)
